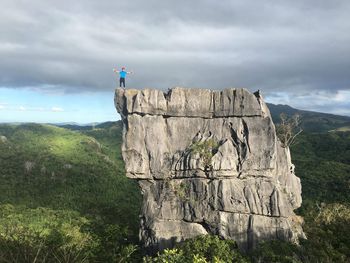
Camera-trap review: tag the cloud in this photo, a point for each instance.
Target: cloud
(30, 108)
(334, 102)
(56, 109)
(275, 46)
(342, 96)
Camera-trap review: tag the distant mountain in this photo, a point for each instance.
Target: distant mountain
(65, 123)
(312, 121)
(74, 127)
(86, 127)
(108, 124)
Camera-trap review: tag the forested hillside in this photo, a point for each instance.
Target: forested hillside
(63, 195)
(64, 198)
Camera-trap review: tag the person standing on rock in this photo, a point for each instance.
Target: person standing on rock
(122, 75)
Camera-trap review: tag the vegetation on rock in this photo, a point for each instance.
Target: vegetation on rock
(206, 150)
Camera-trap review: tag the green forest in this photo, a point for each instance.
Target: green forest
(64, 198)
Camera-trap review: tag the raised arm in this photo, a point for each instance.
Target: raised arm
(130, 72)
(116, 71)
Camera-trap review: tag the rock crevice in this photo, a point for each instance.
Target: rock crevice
(208, 162)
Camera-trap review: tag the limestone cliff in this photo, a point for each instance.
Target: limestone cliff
(208, 162)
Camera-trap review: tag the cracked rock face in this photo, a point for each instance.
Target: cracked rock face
(208, 162)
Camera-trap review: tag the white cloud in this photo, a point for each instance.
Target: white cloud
(30, 108)
(342, 96)
(57, 109)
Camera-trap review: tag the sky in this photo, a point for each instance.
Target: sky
(56, 57)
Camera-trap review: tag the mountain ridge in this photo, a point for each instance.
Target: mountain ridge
(311, 121)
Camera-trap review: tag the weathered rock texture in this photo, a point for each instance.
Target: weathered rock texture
(208, 162)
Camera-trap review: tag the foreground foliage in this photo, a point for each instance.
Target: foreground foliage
(201, 249)
(43, 235)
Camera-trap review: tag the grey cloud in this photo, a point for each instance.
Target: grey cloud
(269, 45)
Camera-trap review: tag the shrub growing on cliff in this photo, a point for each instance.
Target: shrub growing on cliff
(182, 190)
(206, 150)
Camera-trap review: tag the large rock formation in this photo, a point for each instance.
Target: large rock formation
(208, 162)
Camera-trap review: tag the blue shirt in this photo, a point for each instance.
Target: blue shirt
(122, 74)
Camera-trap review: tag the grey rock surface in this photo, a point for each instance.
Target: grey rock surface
(208, 162)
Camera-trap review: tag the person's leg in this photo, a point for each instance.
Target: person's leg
(123, 81)
(120, 82)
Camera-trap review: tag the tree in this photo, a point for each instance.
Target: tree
(288, 129)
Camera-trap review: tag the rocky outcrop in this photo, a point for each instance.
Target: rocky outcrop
(208, 162)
